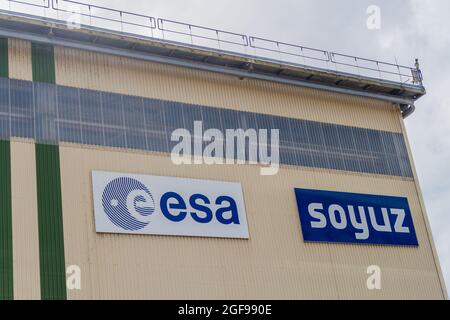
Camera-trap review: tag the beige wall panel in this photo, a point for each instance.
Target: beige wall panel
(25, 222)
(20, 59)
(122, 75)
(274, 263)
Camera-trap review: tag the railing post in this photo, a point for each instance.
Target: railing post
(399, 73)
(218, 39)
(90, 15)
(357, 66)
(379, 71)
(121, 22)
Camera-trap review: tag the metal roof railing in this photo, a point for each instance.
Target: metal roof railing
(195, 33)
(215, 39)
(374, 68)
(33, 3)
(108, 15)
(285, 52)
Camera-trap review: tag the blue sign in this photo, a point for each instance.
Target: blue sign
(355, 218)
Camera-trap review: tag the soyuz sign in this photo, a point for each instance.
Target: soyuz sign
(355, 218)
(138, 204)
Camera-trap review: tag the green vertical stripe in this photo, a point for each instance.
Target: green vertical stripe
(6, 247)
(43, 61)
(50, 220)
(4, 62)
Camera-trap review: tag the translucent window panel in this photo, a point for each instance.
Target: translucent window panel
(157, 141)
(115, 137)
(136, 139)
(377, 149)
(362, 145)
(192, 113)
(21, 98)
(4, 126)
(317, 144)
(300, 142)
(91, 108)
(155, 126)
(154, 115)
(92, 135)
(173, 114)
(287, 151)
(133, 111)
(333, 147)
(22, 127)
(248, 120)
(4, 109)
(282, 124)
(212, 120)
(348, 147)
(4, 95)
(22, 119)
(249, 124)
(391, 154)
(112, 109)
(96, 118)
(70, 132)
(69, 103)
(230, 121)
(402, 154)
(262, 121)
(45, 112)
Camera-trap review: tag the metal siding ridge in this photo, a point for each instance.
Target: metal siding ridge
(51, 236)
(24, 221)
(19, 59)
(4, 62)
(43, 63)
(6, 246)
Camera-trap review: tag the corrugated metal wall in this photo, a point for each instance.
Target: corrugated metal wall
(115, 74)
(25, 221)
(274, 263)
(51, 238)
(43, 63)
(6, 246)
(20, 59)
(4, 64)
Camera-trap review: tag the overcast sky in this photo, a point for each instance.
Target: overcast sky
(409, 29)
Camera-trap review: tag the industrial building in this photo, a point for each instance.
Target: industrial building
(89, 109)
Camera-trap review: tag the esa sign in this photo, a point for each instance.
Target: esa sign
(154, 205)
(355, 218)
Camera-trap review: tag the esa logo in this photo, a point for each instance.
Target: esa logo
(128, 203)
(355, 218)
(167, 205)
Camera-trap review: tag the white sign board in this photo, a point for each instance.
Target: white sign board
(154, 205)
